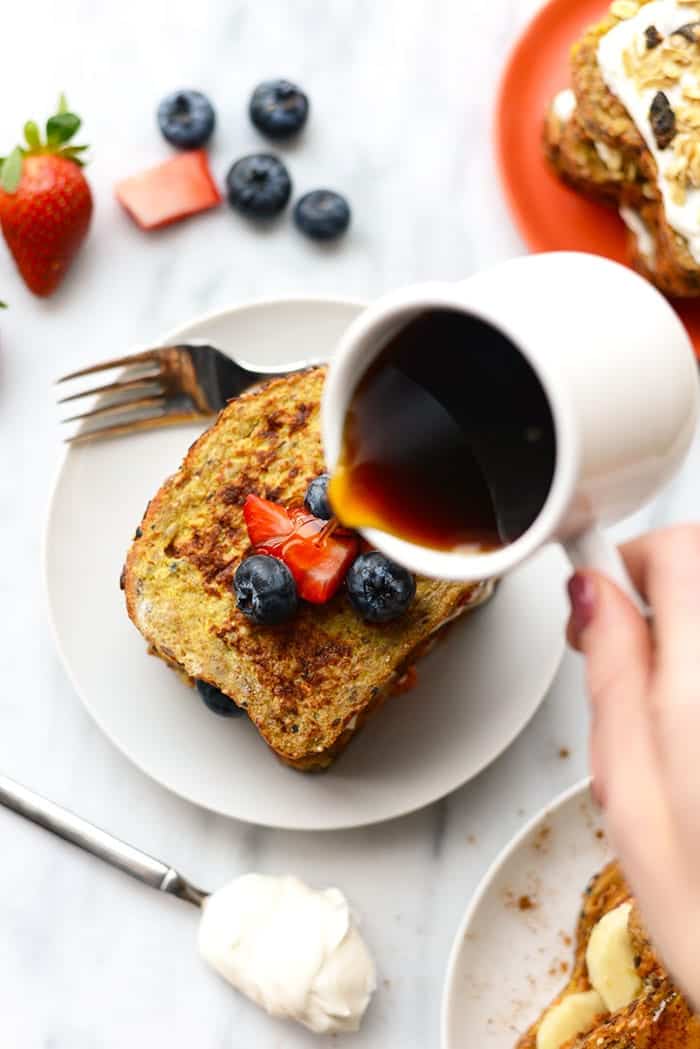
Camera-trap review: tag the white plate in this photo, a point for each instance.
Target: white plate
(506, 963)
(476, 692)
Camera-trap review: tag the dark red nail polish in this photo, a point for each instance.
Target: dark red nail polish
(582, 594)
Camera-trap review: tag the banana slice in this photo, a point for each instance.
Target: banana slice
(610, 960)
(574, 1015)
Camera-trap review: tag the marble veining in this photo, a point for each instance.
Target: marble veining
(402, 106)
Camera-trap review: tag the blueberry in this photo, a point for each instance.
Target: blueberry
(259, 185)
(322, 214)
(186, 119)
(278, 109)
(316, 498)
(265, 590)
(378, 588)
(216, 701)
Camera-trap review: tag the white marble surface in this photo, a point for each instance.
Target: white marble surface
(402, 96)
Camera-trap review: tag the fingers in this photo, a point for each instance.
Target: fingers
(665, 566)
(616, 643)
(644, 682)
(636, 554)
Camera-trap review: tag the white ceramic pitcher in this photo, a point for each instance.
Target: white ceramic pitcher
(616, 365)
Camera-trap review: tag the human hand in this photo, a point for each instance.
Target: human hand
(644, 686)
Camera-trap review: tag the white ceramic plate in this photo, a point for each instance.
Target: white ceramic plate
(507, 963)
(476, 692)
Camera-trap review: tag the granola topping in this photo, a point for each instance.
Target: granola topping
(662, 66)
(624, 8)
(689, 32)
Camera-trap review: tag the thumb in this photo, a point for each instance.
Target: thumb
(615, 641)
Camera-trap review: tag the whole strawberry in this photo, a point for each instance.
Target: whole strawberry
(45, 201)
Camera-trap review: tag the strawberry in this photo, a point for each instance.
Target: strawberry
(169, 192)
(316, 554)
(265, 520)
(319, 565)
(45, 201)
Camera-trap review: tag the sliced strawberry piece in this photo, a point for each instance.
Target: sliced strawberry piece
(317, 554)
(172, 191)
(265, 521)
(319, 567)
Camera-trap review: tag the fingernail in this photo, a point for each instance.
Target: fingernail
(582, 594)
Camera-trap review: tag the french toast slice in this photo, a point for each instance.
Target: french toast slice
(659, 1018)
(601, 152)
(310, 684)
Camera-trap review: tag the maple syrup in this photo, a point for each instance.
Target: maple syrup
(449, 438)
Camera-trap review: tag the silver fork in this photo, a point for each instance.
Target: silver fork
(163, 386)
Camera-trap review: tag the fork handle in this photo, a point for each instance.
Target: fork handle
(87, 836)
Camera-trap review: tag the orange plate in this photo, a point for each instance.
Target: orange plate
(549, 215)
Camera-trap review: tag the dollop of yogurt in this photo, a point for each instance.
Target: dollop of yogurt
(293, 950)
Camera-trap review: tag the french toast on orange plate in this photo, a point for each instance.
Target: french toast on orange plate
(628, 132)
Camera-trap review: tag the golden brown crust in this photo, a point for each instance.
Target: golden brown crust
(676, 272)
(307, 685)
(659, 1018)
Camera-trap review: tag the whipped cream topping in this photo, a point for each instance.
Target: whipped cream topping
(293, 950)
(564, 105)
(666, 16)
(645, 242)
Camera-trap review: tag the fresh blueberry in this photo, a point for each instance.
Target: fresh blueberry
(322, 214)
(316, 498)
(186, 119)
(379, 589)
(259, 185)
(265, 590)
(278, 109)
(216, 701)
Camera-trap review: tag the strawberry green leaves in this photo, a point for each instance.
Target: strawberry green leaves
(11, 170)
(31, 135)
(60, 129)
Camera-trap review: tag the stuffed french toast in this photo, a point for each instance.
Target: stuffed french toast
(239, 578)
(627, 132)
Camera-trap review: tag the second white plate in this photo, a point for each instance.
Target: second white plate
(514, 948)
(476, 692)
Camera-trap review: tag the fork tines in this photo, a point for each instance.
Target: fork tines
(116, 362)
(136, 400)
